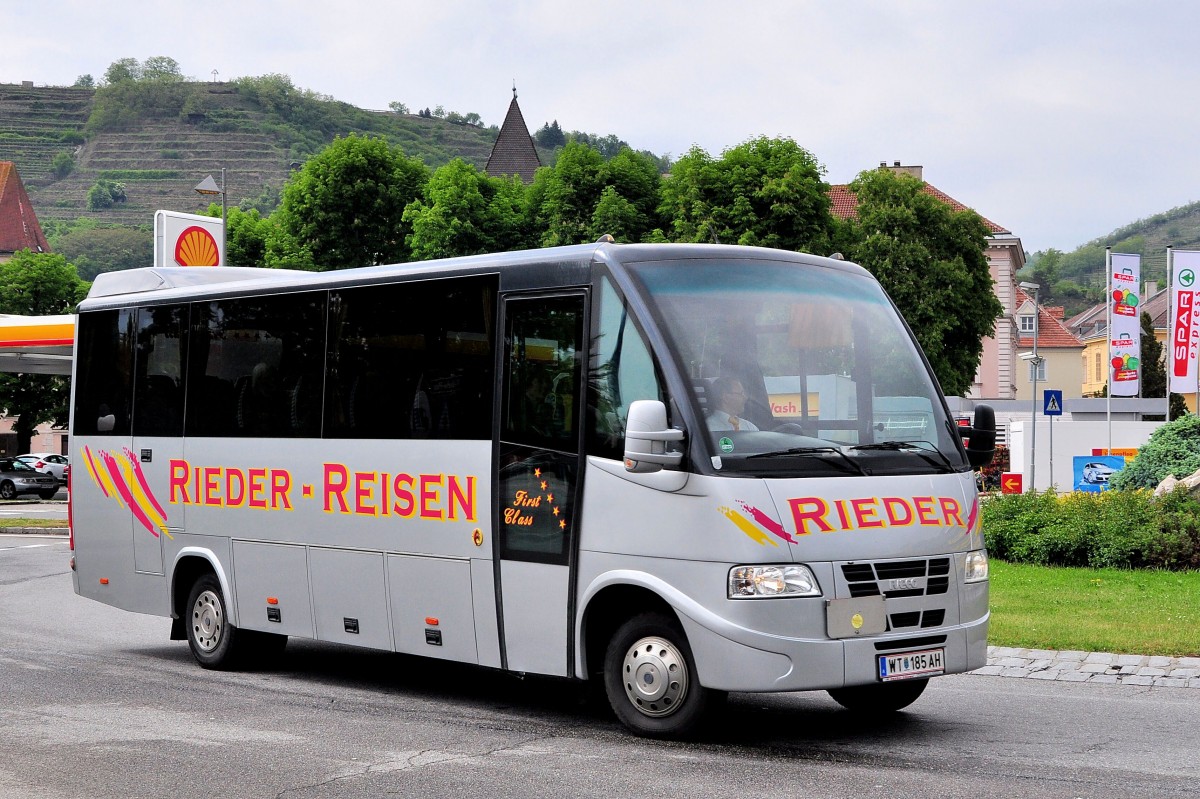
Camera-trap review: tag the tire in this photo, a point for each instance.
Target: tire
(651, 681)
(213, 639)
(8, 490)
(47, 494)
(880, 698)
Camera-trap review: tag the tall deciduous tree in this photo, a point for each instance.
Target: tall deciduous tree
(345, 208)
(932, 260)
(583, 196)
(36, 284)
(465, 212)
(765, 192)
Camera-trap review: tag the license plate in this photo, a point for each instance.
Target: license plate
(912, 664)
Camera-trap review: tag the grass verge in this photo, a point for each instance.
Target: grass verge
(18, 522)
(1140, 612)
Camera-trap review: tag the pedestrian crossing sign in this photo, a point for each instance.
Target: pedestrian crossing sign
(1052, 402)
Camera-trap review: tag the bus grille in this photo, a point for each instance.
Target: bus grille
(864, 579)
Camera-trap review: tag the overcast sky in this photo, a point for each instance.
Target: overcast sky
(1058, 120)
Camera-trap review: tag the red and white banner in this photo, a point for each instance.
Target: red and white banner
(1125, 330)
(1184, 344)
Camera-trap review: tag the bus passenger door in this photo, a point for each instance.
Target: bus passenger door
(537, 486)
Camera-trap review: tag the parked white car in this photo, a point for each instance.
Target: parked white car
(47, 462)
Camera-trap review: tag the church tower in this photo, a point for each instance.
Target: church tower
(513, 153)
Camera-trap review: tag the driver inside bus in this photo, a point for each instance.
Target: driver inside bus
(729, 403)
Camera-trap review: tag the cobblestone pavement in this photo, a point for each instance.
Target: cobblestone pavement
(1093, 667)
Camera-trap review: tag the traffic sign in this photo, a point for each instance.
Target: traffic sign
(1011, 482)
(1052, 402)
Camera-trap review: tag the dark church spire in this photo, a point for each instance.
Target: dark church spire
(513, 153)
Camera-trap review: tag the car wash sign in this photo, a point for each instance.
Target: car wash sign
(188, 240)
(1125, 331)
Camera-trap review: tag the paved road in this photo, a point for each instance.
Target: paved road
(97, 703)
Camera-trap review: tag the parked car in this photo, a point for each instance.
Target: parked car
(47, 462)
(17, 478)
(1097, 473)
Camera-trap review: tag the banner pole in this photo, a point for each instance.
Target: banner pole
(1108, 300)
(1170, 333)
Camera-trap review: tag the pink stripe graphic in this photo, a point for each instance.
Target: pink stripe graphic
(767, 523)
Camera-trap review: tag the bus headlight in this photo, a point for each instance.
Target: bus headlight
(976, 567)
(748, 582)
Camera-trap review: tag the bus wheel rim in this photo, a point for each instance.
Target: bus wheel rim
(655, 676)
(208, 621)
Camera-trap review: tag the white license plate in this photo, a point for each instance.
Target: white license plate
(912, 664)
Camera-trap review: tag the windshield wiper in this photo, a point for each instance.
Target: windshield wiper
(850, 465)
(925, 449)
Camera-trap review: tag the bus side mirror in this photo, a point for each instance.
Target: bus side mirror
(646, 437)
(981, 437)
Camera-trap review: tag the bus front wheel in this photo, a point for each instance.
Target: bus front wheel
(209, 631)
(650, 678)
(880, 698)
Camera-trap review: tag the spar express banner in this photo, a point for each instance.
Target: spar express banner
(1125, 332)
(1185, 334)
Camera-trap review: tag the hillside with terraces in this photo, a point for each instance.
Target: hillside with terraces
(161, 152)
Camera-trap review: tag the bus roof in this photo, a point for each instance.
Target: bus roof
(542, 268)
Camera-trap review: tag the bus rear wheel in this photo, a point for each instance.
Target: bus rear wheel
(650, 678)
(210, 634)
(880, 698)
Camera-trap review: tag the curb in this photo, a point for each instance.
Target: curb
(55, 531)
(1092, 667)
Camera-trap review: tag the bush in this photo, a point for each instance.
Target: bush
(1173, 449)
(62, 165)
(1113, 529)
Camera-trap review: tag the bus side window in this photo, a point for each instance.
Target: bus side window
(158, 370)
(104, 395)
(411, 360)
(622, 371)
(251, 366)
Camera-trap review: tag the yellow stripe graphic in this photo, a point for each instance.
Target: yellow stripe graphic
(747, 526)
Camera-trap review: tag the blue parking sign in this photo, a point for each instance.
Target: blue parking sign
(1052, 402)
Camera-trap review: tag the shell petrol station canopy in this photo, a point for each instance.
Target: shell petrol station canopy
(36, 344)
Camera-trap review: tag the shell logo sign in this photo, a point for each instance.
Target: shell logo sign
(187, 240)
(197, 247)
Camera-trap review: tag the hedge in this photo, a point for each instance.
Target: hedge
(1112, 529)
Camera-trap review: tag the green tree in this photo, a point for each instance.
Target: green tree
(95, 250)
(85, 81)
(398, 107)
(765, 192)
(1173, 449)
(123, 69)
(465, 212)
(564, 197)
(345, 208)
(104, 194)
(62, 164)
(161, 68)
(36, 284)
(550, 136)
(932, 261)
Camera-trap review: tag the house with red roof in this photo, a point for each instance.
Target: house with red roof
(19, 228)
(1060, 351)
(1000, 375)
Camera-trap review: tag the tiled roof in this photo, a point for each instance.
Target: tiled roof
(1051, 331)
(844, 205)
(1157, 305)
(19, 228)
(513, 153)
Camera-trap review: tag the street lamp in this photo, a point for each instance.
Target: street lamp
(1036, 362)
(208, 186)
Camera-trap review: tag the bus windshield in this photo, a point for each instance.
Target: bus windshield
(800, 368)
